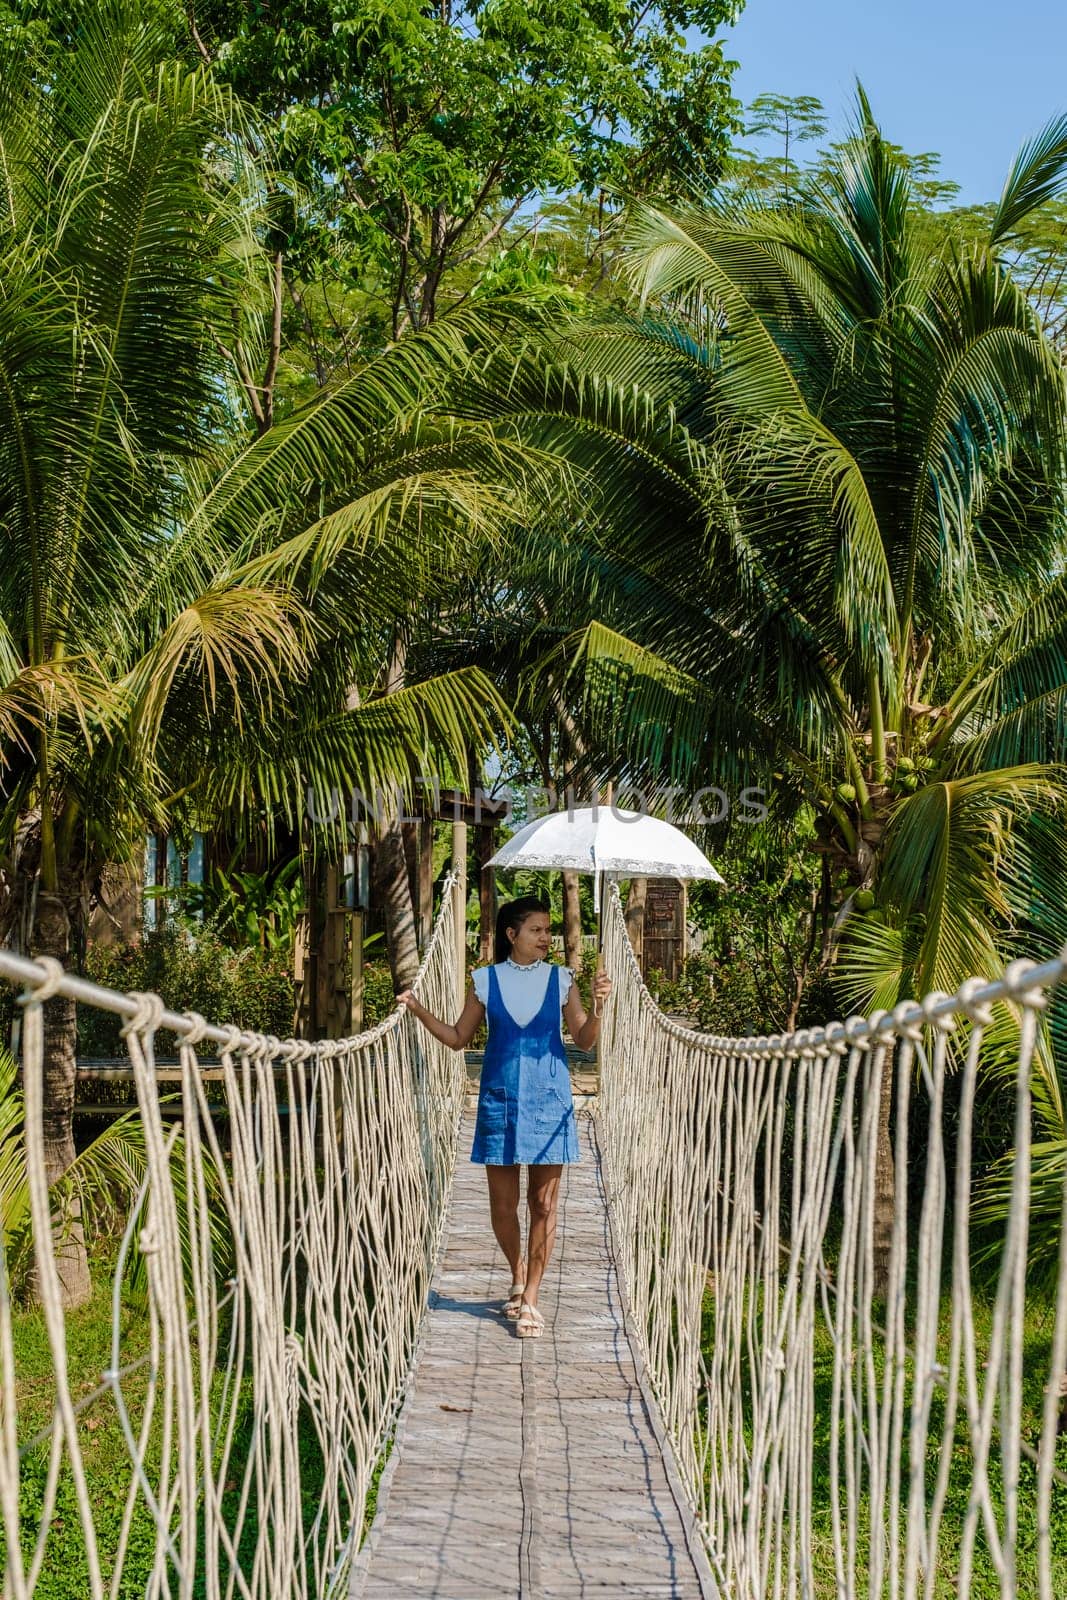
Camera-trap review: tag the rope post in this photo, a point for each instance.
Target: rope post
(459, 867)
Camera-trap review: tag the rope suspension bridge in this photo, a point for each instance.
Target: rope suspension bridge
(730, 1400)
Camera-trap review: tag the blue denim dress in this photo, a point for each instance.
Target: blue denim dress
(525, 1106)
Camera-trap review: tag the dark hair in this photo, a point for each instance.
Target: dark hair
(513, 915)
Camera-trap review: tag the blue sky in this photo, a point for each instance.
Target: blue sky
(963, 77)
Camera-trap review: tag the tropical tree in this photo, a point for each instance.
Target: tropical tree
(414, 148)
(418, 134)
(192, 626)
(825, 552)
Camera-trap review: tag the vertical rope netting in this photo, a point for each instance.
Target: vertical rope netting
(287, 1268)
(822, 1402)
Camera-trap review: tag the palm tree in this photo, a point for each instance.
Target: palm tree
(824, 550)
(183, 613)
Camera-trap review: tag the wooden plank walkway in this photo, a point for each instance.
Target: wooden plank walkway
(529, 1469)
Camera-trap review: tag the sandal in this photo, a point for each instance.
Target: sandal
(513, 1303)
(530, 1323)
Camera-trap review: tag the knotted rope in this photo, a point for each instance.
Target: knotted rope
(287, 1274)
(825, 1415)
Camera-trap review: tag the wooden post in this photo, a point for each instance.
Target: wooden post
(335, 1011)
(609, 790)
(424, 910)
(302, 977)
(355, 993)
(459, 867)
(320, 961)
(485, 845)
(572, 921)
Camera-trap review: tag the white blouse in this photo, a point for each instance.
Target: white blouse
(521, 992)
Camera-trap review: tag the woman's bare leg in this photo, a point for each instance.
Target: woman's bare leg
(504, 1212)
(542, 1198)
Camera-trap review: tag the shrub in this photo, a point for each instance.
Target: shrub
(378, 996)
(718, 996)
(252, 988)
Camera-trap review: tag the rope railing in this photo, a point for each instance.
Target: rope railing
(827, 1405)
(287, 1271)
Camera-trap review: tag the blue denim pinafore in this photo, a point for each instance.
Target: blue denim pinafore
(525, 1106)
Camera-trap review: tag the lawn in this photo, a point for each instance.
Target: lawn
(985, 1584)
(65, 1570)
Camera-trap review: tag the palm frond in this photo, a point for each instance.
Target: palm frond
(73, 689)
(248, 638)
(1012, 706)
(874, 960)
(945, 849)
(317, 757)
(1036, 175)
(688, 257)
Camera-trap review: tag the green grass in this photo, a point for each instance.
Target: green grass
(984, 1582)
(66, 1567)
(65, 1571)
(371, 1507)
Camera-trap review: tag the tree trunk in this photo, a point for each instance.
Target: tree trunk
(635, 916)
(884, 1177)
(391, 876)
(52, 932)
(393, 889)
(572, 922)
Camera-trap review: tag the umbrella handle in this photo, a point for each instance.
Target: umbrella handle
(598, 1010)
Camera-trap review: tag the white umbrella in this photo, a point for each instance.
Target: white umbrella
(599, 839)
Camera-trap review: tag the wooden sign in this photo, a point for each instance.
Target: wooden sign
(663, 944)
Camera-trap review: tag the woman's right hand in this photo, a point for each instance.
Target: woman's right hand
(406, 997)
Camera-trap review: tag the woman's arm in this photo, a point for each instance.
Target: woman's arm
(457, 1035)
(585, 1029)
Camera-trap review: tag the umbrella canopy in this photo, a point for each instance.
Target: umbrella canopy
(626, 844)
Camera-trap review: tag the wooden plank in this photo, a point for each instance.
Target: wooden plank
(529, 1469)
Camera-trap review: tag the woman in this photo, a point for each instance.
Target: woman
(525, 1107)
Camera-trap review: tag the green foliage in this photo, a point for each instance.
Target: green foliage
(1034, 247)
(105, 1453)
(409, 138)
(249, 986)
(793, 119)
(96, 1189)
(846, 435)
(584, 974)
(379, 995)
(762, 967)
(848, 452)
(258, 909)
(711, 999)
(196, 632)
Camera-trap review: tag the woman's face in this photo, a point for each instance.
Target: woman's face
(531, 940)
